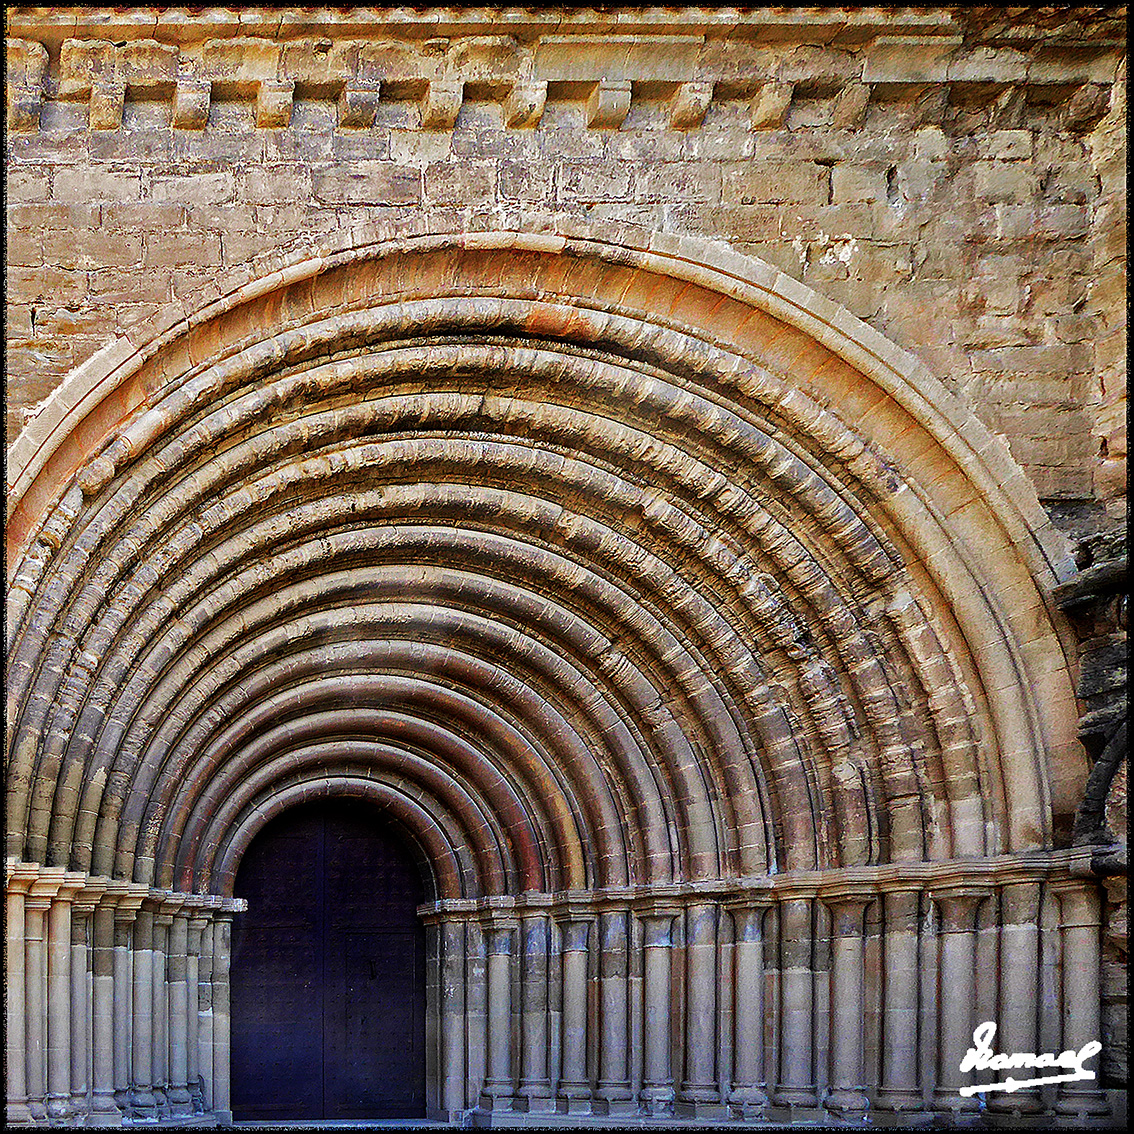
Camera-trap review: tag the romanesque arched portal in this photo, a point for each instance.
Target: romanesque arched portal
(698, 638)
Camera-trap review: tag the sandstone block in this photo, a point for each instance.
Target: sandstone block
(195, 189)
(757, 182)
(608, 103)
(447, 183)
(95, 183)
(850, 106)
(273, 103)
(524, 104)
(358, 106)
(592, 181)
(770, 106)
(441, 103)
(368, 183)
(689, 105)
(191, 101)
(107, 101)
(1005, 183)
(857, 183)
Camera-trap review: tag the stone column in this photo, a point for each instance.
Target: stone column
(614, 1055)
(899, 1089)
(180, 1101)
(748, 1095)
(36, 907)
(103, 1111)
(797, 1080)
(163, 921)
(847, 1090)
(1082, 996)
(197, 926)
(143, 1105)
(535, 1084)
(574, 1088)
(657, 1069)
(20, 876)
(700, 1091)
(82, 991)
(476, 1011)
(1019, 990)
(955, 996)
(126, 911)
(222, 955)
(205, 1011)
(452, 995)
(59, 1031)
(498, 1087)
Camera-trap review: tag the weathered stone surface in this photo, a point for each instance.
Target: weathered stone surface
(468, 410)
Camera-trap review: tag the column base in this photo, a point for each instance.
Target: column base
(143, 1106)
(531, 1102)
(574, 1104)
(657, 1099)
(704, 1110)
(1017, 1103)
(1082, 1102)
(615, 1099)
(898, 1099)
(847, 1100)
(59, 1111)
(950, 1102)
(795, 1096)
(18, 1114)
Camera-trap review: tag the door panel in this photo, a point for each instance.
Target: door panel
(328, 970)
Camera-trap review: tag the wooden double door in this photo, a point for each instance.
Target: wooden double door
(328, 970)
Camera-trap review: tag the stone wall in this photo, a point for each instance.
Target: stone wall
(739, 656)
(953, 178)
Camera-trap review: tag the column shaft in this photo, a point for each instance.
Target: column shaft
(476, 1011)
(142, 1102)
(160, 1034)
(178, 962)
(498, 1086)
(222, 954)
(124, 918)
(955, 998)
(700, 1087)
(899, 1088)
(614, 1055)
(573, 1085)
(80, 1007)
(1019, 999)
(797, 1080)
(16, 1015)
(193, 1013)
(1082, 997)
(205, 1014)
(535, 1085)
(748, 1083)
(102, 1016)
(452, 992)
(35, 974)
(657, 1070)
(847, 1090)
(59, 1010)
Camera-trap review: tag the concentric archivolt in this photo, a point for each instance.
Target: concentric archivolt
(590, 574)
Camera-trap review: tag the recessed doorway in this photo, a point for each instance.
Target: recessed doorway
(328, 970)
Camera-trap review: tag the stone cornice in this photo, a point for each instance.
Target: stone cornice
(977, 876)
(520, 57)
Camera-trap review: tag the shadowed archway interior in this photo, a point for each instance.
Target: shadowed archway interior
(328, 970)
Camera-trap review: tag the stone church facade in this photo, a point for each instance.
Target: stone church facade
(664, 466)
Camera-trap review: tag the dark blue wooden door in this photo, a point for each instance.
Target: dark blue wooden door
(328, 970)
